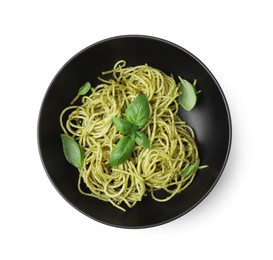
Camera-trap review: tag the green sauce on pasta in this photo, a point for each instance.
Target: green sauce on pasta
(172, 144)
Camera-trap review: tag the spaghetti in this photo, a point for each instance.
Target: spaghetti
(173, 147)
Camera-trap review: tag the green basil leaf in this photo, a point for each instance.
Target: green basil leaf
(123, 125)
(138, 112)
(142, 140)
(122, 151)
(189, 170)
(187, 99)
(72, 151)
(84, 89)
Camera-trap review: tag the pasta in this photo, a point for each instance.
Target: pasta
(173, 146)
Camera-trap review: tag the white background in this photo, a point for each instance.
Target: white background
(234, 40)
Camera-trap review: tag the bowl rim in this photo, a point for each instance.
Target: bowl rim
(147, 37)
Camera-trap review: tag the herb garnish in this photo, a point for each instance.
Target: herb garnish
(137, 116)
(189, 170)
(188, 97)
(122, 151)
(72, 151)
(138, 112)
(83, 90)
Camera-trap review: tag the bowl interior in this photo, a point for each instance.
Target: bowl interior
(210, 120)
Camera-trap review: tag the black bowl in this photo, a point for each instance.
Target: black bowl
(210, 120)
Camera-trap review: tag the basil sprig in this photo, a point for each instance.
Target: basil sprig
(83, 90)
(124, 126)
(122, 151)
(72, 151)
(138, 111)
(142, 140)
(137, 116)
(188, 97)
(189, 170)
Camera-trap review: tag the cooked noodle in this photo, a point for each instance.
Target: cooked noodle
(173, 147)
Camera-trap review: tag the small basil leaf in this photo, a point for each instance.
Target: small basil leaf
(72, 151)
(142, 140)
(189, 170)
(123, 125)
(187, 99)
(122, 151)
(84, 89)
(138, 111)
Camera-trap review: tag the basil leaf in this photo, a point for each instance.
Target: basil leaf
(138, 112)
(84, 89)
(72, 151)
(123, 125)
(189, 170)
(142, 140)
(122, 151)
(187, 99)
